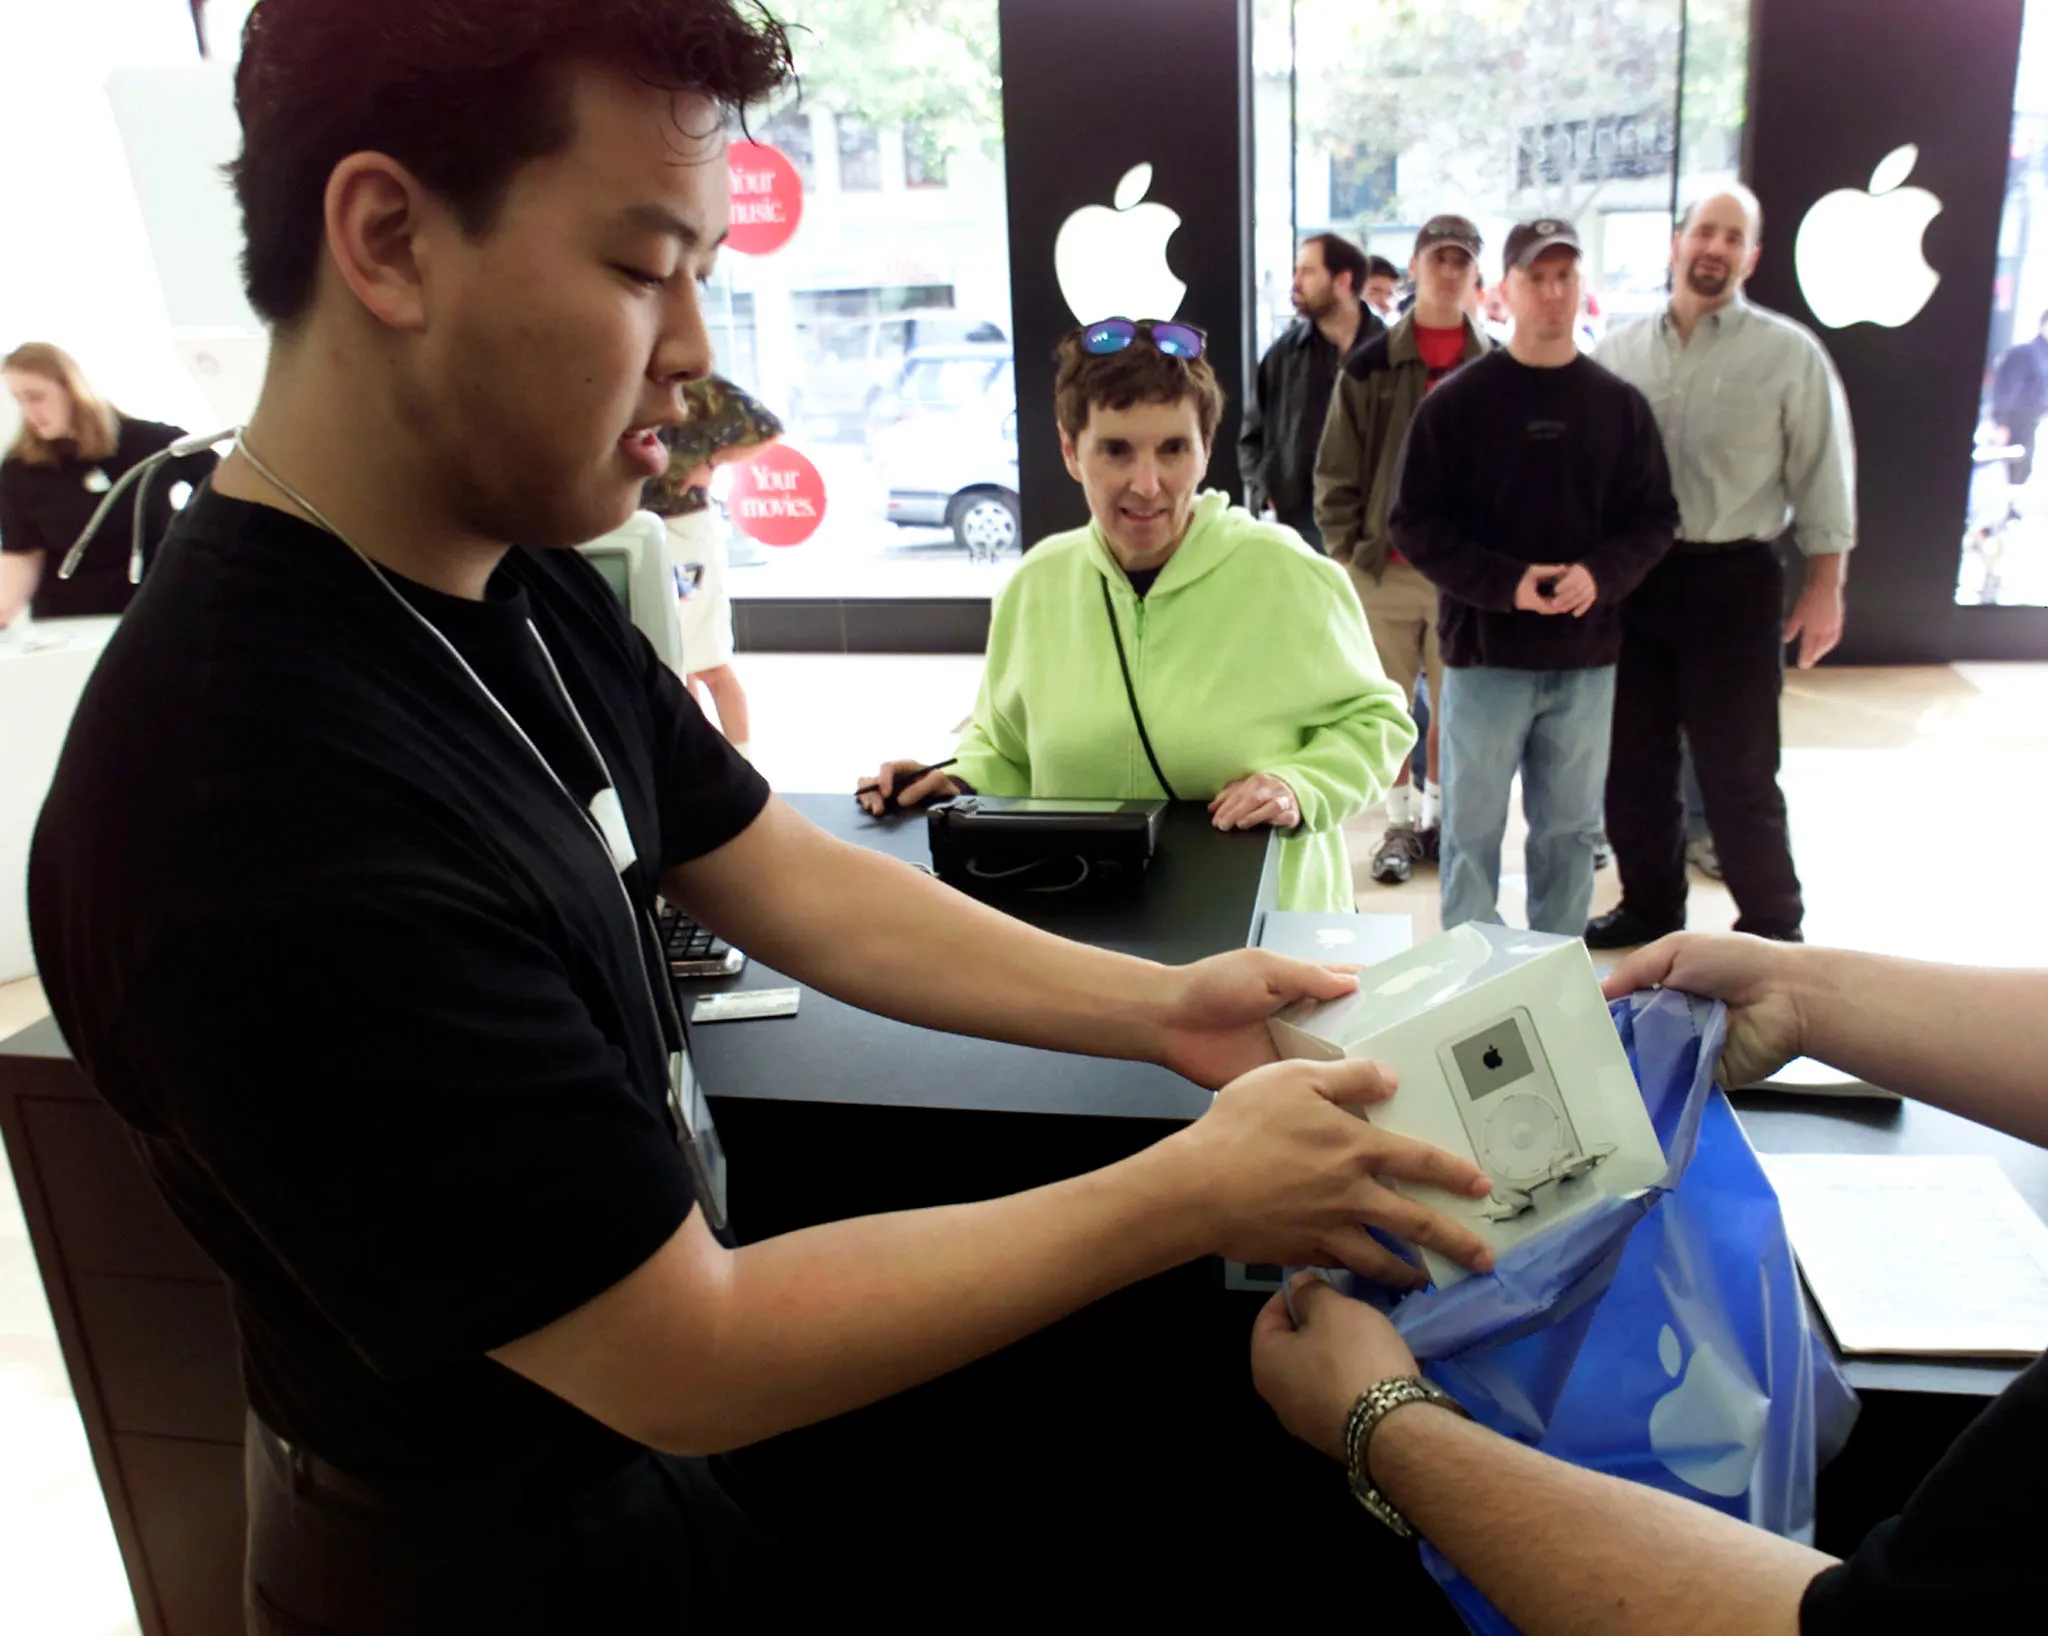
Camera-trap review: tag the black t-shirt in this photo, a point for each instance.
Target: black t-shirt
(362, 979)
(1966, 1552)
(46, 508)
(1507, 465)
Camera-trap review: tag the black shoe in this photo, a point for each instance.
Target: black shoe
(1776, 934)
(1623, 928)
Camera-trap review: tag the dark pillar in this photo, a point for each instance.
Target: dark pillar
(1092, 88)
(1835, 86)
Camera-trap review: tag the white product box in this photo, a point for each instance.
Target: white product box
(1506, 1055)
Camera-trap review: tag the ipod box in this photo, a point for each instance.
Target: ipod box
(1506, 1055)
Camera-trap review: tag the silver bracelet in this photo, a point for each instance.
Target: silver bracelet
(1374, 1404)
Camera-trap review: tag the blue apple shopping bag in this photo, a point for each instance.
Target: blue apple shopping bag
(1663, 1339)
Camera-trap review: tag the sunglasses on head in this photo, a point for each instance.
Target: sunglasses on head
(1115, 334)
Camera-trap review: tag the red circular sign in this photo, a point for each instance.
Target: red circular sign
(767, 198)
(778, 497)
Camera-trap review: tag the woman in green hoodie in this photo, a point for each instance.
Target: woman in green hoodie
(1248, 654)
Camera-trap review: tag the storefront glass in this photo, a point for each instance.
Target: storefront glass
(1374, 115)
(880, 330)
(2005, 538)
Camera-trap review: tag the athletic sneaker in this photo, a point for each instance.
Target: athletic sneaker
(1395, 858)
(1702, 856)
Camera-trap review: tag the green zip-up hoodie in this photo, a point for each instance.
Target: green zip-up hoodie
(1250, 655)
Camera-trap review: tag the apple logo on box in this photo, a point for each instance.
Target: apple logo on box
(1858, 253)
(1112, 263)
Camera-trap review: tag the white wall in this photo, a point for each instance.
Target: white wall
(78, 267)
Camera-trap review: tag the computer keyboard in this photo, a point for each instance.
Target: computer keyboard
(695, 950)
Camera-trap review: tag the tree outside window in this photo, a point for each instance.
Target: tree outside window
(924, 154)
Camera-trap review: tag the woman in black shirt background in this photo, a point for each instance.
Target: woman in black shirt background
(72, 448)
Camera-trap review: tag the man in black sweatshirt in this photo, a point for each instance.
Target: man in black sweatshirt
(1533, 492)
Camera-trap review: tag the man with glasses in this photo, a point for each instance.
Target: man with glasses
(1534, 494)
(1375, 399)
(1757, 431)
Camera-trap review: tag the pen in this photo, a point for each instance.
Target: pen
(890, 803)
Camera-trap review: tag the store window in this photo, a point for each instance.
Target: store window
(1361, 184)
(860, 155)
(2005, 536)
(1371, 116)
(880, 331)
(789, 132)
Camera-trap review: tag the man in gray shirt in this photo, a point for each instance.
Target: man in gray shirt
(1757, 433)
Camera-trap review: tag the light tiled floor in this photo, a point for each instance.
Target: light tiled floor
(1915, 793)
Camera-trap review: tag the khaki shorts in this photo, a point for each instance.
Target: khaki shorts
(1401, 613)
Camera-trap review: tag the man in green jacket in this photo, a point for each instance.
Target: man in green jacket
(1249, 657)
(1377, 392)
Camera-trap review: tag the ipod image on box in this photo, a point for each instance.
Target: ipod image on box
(1521, 1129)
(1506, 1055)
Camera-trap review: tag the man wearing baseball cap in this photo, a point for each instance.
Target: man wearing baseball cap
(1534, 493)
(1376, 397)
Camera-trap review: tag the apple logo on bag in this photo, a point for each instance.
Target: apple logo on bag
(1708, 1431)
(1112, 263)
(1858, 253)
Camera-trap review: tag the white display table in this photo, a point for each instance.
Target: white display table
(43, 669)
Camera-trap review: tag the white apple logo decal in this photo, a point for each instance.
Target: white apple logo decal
(1708, 1431)
(1858, 254)
(1112, 263)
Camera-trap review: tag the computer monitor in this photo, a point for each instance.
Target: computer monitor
(635, 563)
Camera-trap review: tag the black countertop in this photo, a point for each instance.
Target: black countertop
(1203, 895)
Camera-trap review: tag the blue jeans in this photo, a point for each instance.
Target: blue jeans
(1696, 828)
(1418, 709)
(1552, 726)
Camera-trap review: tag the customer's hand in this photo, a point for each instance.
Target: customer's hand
(1529, 594)
(1766, 1028)
(1257, 798)
(1213, 1025)
(1816, 622)
(1575, 591)
(1314, 1372)
(1283, 1174)
(873, 794)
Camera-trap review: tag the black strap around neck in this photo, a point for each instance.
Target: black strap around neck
(1131, 692)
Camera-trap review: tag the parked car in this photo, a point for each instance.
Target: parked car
(949, 454)
(862, 360)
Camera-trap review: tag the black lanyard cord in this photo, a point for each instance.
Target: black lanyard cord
(1131, 693)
